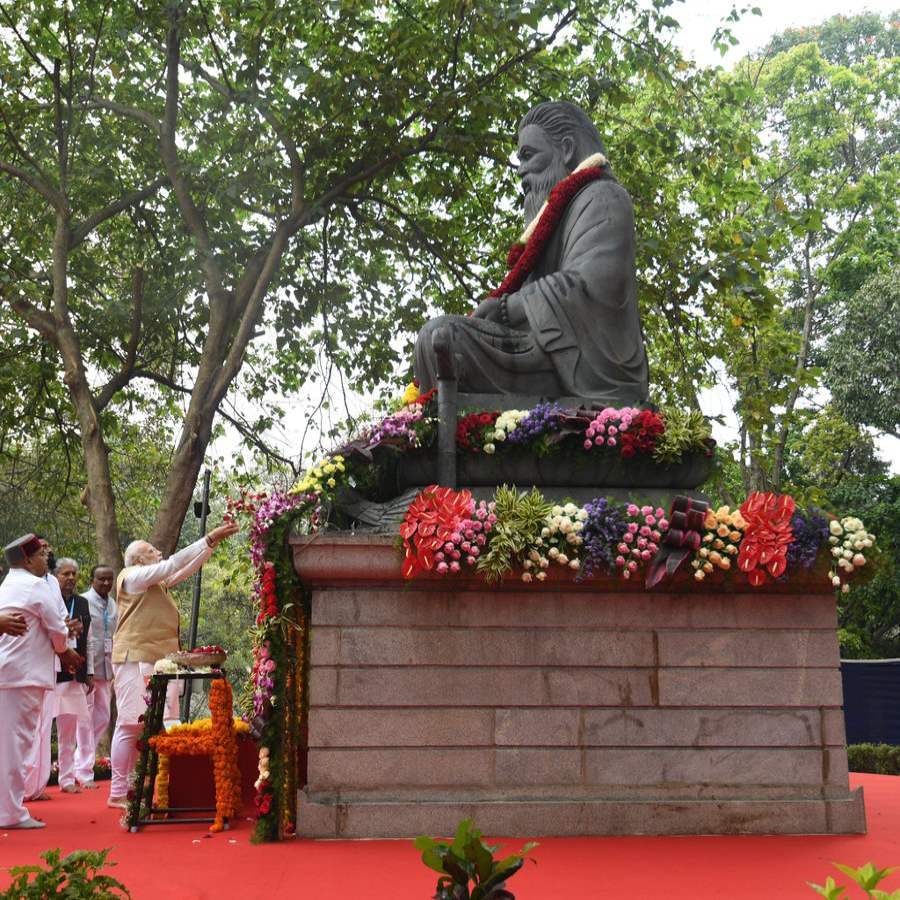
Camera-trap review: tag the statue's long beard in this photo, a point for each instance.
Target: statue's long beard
(541, 185)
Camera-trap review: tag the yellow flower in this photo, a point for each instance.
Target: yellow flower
(411, 394)
(331, 483)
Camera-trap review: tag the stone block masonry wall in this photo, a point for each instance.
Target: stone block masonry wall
(564, 708)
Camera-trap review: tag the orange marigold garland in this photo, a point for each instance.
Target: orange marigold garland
(767, 536)
(161, 797)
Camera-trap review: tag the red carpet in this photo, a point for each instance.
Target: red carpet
(183, 862)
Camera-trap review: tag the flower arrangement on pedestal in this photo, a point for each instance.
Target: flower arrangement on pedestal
(763, 540)
(628, 435)
(447, 533)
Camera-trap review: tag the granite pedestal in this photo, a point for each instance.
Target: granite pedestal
(567, 709)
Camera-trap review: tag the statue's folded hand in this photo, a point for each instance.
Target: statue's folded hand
(489, 308)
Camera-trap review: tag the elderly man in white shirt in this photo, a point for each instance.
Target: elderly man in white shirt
(27, 668)
(147, 630)
(100, 639)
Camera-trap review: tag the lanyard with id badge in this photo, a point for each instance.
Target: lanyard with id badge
(107, 639)
(71, 640)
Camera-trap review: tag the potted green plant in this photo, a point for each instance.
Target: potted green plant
(468, 870)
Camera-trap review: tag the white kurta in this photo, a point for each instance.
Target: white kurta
(131, 677)
(27, 675)
(30, 659)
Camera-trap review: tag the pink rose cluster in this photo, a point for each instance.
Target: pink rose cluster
(605, 427)
(467, 542)
(644, 530)
(263, 677)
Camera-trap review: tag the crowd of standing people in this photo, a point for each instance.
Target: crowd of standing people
(64, 655)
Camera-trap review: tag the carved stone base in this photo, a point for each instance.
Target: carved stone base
(566, 708)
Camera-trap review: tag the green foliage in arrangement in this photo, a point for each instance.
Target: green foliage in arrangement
(868, 877)
(468, 870)
(686, 429)
(73, 877)
(877, 759)
(520, 516)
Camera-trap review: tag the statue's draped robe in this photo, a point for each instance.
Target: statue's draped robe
(583, 334)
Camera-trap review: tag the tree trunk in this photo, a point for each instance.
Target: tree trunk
(100, 499)
(182, 479)
(802, 356)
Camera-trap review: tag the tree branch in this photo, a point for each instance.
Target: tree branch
(39, 319)
(244, 429)
(82, 230)
(192, 215)
(129, 112)
(126, 370)
(53, 197)
(256, 102)
(26, 46)
(20, 149)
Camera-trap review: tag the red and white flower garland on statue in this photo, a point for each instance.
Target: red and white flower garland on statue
(524, 254)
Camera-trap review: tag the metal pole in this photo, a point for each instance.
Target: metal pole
(195, 604)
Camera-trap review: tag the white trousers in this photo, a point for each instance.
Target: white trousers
(89, 732)
(73, 714)
(20, 710)
(131, 680)
(37, 767)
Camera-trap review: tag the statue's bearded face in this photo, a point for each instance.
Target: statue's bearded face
(541, 168)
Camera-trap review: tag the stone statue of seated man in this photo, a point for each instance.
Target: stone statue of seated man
(565, 320)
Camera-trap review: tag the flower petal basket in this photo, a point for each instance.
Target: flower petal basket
(570, 467)
(188, 659)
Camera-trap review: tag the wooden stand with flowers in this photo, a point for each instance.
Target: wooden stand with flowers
(148, 799)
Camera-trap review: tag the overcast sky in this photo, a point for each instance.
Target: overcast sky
(699, 19)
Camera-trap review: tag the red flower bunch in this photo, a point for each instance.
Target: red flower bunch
(767, 536)
(431, 519)
(263, 799)
(426, 397)
(470, 429)
(245, 504)
(641, 435)
(268, 596)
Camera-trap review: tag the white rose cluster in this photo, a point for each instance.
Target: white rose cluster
(264, 773)
(849, 542)
(559, 543)
(506, 422)
(166, 667)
